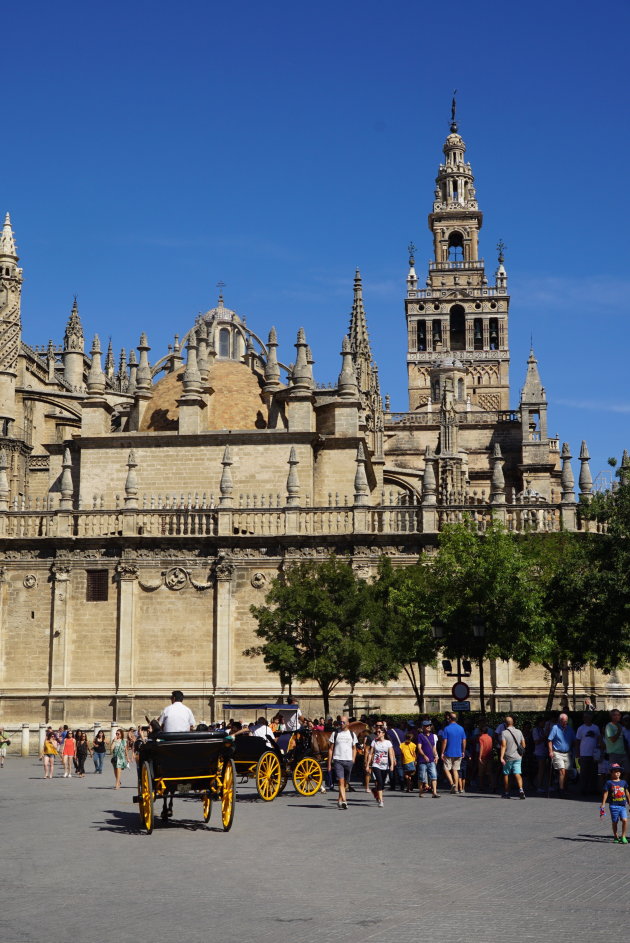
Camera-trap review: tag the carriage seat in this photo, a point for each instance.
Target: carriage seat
(215, 736)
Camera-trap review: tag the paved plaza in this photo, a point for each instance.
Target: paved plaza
(76, 867)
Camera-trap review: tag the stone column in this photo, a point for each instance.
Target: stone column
(60, 628)
(25, 748)
(42, 736)
(127, 574)
(224, 571)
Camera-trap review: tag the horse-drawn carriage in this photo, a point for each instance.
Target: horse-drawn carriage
(192, 764)
(270, 762)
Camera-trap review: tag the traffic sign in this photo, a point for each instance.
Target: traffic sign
(460, 691)
(460, 705)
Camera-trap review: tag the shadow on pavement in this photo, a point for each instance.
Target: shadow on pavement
(598, 839)
(128, 823)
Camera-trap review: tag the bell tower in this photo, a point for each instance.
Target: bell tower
(458, 315)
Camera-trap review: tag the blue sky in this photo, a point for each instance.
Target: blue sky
(151, 150)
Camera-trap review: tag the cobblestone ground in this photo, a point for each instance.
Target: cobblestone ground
(77, 869)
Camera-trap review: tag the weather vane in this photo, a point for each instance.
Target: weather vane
(221, 286)
(411, 249)
(453, 110)
(501, 247)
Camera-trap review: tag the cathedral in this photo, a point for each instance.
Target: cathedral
(147, 503)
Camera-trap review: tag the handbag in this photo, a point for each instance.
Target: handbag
(519, 748)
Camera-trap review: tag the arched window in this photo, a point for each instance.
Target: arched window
(224, 342)
(422, 335)
(435, 396)
(494, 334)
(455, 246)
(460, 390)
(478, 334)
(457, 328)
(437, 334)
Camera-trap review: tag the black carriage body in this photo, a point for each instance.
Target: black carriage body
(190, 757)
(248, 750)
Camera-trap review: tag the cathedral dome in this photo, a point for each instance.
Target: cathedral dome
(235, 402)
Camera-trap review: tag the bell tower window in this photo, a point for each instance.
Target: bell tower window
(422, 335)
(457, 328)
(478, 334)
(494, 334)
(455, 243)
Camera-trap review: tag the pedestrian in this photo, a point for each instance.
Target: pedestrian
(588, 704)
(485, 762)
(99, 748)
(453, 749)
(617, 793)
(409, 752)
(381, 758)
(512, 750)
(342, 752)
(69, 751)
(119, 755)
(82, 751)
(427, 760)
(49, 752)
(587, 743)
(613, 739)
(559, 744)
(4, 743)
(130, 743)
(396, 737)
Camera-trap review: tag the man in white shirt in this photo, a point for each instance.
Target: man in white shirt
(294, 719)
(262, 729)
(587, 743)
(176, 717)
(342, 748)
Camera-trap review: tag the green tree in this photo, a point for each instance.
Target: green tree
(400, 611)
(313, 626)
(489, 603)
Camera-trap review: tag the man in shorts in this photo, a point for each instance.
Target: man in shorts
(559, 743)
(342, 751)
(511, 740)
(453, 749)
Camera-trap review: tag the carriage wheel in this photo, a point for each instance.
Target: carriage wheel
(307, 776)
(268, 776)
(283, 782)
(145, 795)
(228, 795)
(207, 807)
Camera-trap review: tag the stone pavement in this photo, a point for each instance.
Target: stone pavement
(77, 869)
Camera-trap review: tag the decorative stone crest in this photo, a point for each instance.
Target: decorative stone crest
(30, 581)
(176, 578)
(258, 580)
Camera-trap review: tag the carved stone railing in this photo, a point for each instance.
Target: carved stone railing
(481, 417)
(381, 519)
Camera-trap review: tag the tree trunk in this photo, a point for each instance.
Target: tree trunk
(325, 689)
(418, 689)
(555, 674)
(482, 688)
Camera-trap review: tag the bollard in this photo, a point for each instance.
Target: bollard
(112, 737)
(42, 737)
(26, 739)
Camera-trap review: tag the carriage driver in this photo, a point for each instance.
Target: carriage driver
(294, 719)
(176, 717)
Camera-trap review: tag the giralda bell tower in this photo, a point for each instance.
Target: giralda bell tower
(458, 316)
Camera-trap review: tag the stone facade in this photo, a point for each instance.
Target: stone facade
(146, 505)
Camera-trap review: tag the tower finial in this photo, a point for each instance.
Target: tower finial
(411, 249)
(453, 110)
(501, 247)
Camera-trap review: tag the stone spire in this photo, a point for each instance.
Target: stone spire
(497, 495)
(585, 480)
(566, 477)
(226, 486)
(7, 242)
(501, 274)
(121, 376)
(131, 482)
(67, 487)
(302, 373)
(412, 278)
(361, 489)
(144, 379)
(202, 351)
(293, 483)
(192, 378)
(96, 377)
(359, 338)
(73, 339)
(533, 391)
(624, 470)
(110, 363)
(133, 370)
(347, 382)
(272, 367)
(10, 322)
(429, 483)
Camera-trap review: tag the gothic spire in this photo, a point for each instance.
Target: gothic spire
(533, 391)
(73, 338)
(358, 332)
(7, 242)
